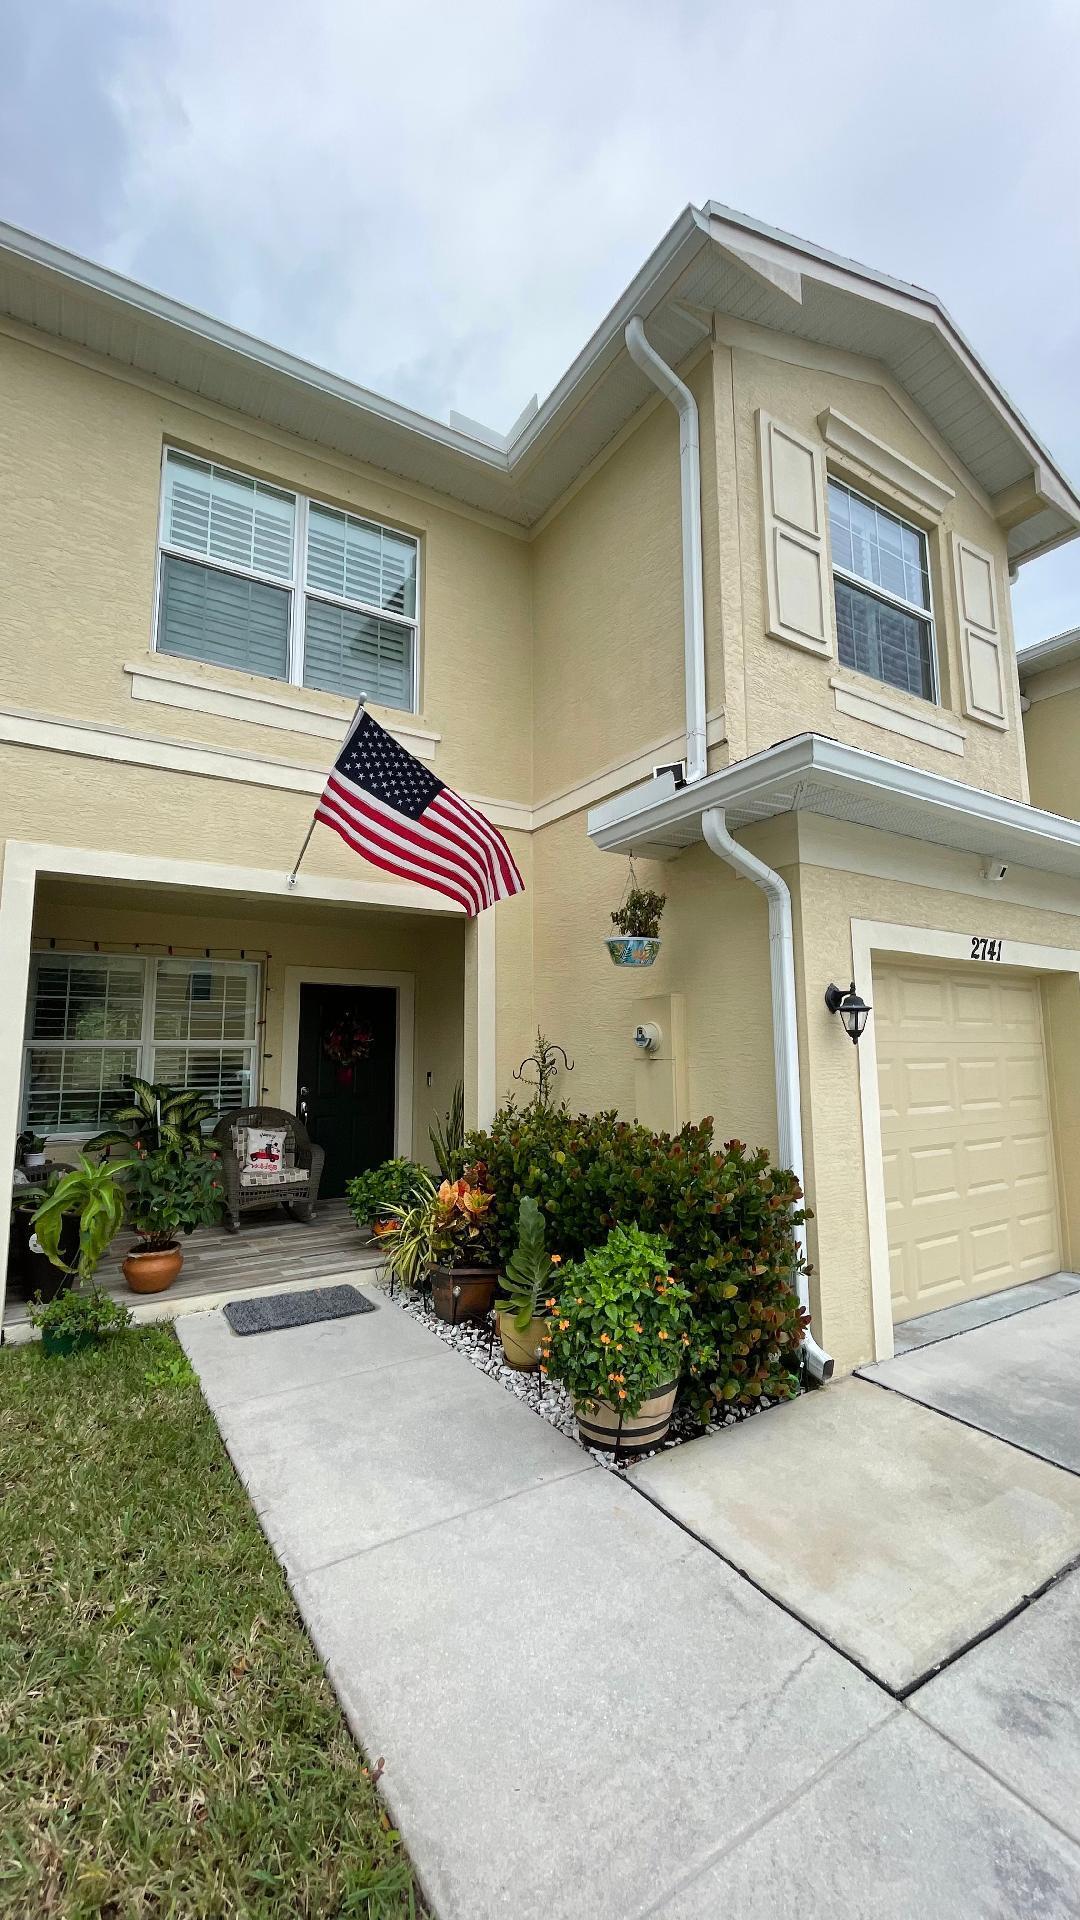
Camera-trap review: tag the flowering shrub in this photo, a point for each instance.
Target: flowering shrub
(727, 1216)
(619, 1328)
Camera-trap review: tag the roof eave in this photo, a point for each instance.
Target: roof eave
(953, 815)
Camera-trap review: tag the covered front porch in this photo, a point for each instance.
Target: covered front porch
(230, 982)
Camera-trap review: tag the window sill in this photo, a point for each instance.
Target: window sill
(883, 706)
(180, 683)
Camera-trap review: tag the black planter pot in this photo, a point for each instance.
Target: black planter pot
(33, 1272)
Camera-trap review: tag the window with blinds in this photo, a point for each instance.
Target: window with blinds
(271, 583)
(881, 584)
(95, 1019)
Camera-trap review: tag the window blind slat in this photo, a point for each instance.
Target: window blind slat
(223, 618)
(225, 516)
(357, 560)
(358, 655)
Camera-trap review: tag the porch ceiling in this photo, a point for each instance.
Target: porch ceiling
(136, 896)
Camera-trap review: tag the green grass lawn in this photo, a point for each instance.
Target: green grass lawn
(168, 1743)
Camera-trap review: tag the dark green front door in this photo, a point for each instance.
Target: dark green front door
(346, 1077)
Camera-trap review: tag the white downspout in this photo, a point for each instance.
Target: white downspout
(785, 1036)
(674, 389)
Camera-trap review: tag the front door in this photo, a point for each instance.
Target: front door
(346, 1077)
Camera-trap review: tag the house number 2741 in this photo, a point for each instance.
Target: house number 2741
(983, 948)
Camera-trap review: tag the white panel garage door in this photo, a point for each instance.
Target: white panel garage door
(970, 1188)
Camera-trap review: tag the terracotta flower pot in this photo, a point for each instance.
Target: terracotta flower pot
(599, 1424)
(463, 1293)
(520, 1350)
(152, 1271)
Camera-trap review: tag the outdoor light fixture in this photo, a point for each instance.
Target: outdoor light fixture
(852, 1009)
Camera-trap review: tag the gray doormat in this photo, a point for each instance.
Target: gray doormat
(279, 1310)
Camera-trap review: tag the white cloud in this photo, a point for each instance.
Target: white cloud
(442, 201)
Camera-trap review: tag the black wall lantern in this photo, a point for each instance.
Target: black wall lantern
(852, 1009)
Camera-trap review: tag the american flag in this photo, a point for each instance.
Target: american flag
(388, 807)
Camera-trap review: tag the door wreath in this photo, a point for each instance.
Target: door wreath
(347, 1043)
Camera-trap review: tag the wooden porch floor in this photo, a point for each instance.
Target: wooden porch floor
(270, 1250)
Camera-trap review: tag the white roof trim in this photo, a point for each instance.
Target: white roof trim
(817, 775)
(500, 466)
(1053, 652)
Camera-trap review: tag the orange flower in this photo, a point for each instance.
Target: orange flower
(661, 1335)
(563, 1324)
(637, 1327)
(686, 1339)
(622, 1393)
(605, 1339)
(556, 1259)
(552, 1302)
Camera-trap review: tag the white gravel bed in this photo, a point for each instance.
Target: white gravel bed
(546, 1397)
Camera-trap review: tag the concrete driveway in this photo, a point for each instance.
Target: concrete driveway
(585, 1710)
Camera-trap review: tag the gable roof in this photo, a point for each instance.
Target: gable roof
(711, 259)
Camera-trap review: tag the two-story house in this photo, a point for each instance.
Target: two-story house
(759, 539)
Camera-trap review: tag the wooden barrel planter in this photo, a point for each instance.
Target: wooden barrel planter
(522, 1350)
(629, 1433)
(463, 1293)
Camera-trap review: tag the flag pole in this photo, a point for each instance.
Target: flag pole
(290, 878)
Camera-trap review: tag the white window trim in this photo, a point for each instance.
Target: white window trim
(295, 584)
(870, 587)
(147, 1044)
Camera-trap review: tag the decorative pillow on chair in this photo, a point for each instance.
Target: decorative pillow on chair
(264, 1149)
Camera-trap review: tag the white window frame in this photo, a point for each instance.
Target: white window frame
(925, 615)
(295, 586)
(146, 1044)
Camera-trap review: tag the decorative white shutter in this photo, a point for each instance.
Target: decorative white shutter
(981, 639)
(798, 586)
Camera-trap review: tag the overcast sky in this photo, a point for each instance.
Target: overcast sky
(442, 200)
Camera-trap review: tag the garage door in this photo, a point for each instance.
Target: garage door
(970, 1187)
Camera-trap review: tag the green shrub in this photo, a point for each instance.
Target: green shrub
(727, 1215)
(393, 1184)
(87, 1311)
(621, 1329)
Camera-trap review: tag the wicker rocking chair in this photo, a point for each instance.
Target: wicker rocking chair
(296, 1185)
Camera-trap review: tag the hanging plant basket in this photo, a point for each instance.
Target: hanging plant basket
(636, 941)
(632, 949)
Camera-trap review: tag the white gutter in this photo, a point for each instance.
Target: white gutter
(785, 1039)
(681, 398)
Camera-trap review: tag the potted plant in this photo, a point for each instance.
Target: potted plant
(636, 941)
(90, 1193)
(618, 1340)
(448, 1237)
(373, 1194)
(526, 1296)
(170, 1193)
(157, 1116)
(30, 1151)
(75, 1319)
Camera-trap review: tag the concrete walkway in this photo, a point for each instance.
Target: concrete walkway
(584, 1711)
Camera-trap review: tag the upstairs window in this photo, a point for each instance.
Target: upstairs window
(271, 583)
(881, 583)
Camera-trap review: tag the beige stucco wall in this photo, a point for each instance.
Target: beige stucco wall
(80, 463)
(776, 690)
(1034, 908)
(607, 597)
(1052, 734)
